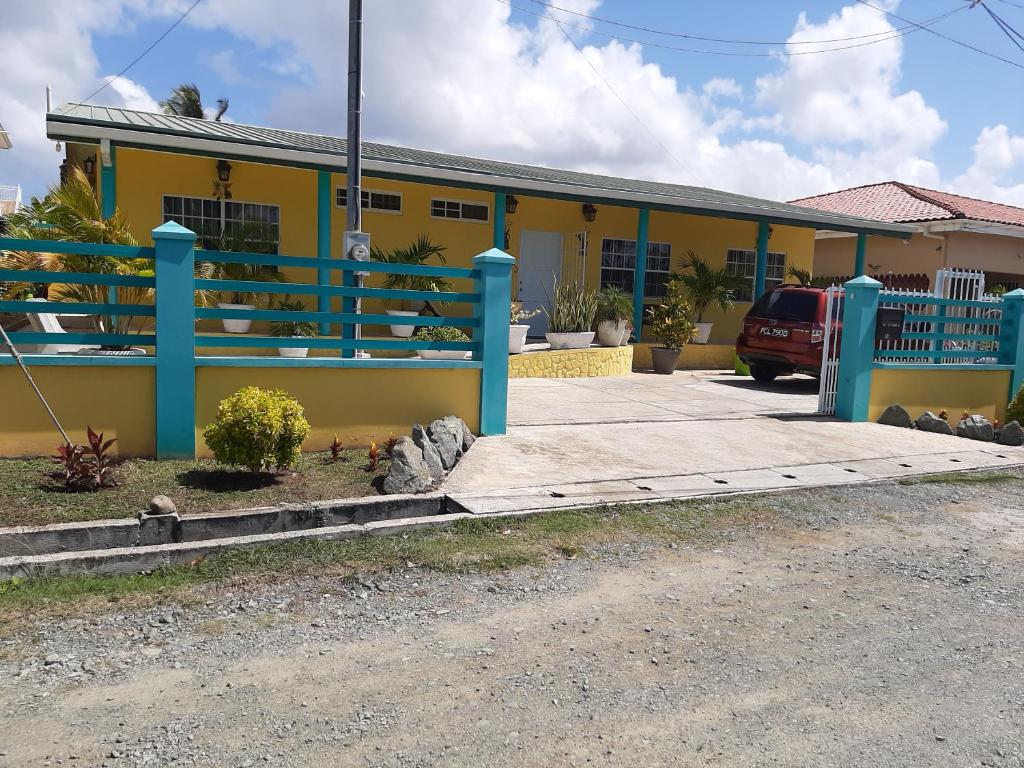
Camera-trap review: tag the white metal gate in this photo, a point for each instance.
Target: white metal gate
(828, 384)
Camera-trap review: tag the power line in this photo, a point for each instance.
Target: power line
(1010, 32)
(142, 55)
(1015, 5)
(651, 30)
(945, 37)
(615, 93)
(742, 54)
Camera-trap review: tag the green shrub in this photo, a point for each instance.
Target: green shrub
(440, 333)
(1015, 410)
(572, 309)
(257, 429)
(671, 322)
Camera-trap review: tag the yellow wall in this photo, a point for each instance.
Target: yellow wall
(572, 363)
(359, 405)
(118, 401)
(984, 392)
(695, 357)
(143, 177)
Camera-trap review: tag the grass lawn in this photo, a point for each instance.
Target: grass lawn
(30, 495)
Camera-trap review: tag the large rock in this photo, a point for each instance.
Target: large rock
(446, 435)
(929, 422)
(895, 416)
(409, 472)
(468, 438)
(162, 505)
(976, 427)
(1011, 434)
(430, 454)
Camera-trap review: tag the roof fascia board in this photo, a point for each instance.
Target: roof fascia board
(977, 226)
(67, 130)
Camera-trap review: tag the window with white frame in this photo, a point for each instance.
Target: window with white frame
(459, 209)
(373, 200)
(618, 266)
(216, 221)
(743, 262)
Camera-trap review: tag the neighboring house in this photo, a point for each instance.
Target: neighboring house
(574, 226)
(953, 231)
(10, 199)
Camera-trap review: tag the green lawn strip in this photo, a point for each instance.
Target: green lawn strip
(29, 495)
(963, 478)
(491, 544)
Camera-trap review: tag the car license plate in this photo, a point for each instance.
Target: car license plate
(778, 333)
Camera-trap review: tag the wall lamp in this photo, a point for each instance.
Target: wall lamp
(589, 212)
(511, 203)
(224, 170)
(89, 165)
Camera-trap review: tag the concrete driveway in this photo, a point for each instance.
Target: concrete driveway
(575, 442)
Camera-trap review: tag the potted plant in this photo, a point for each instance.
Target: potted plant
(704, 286)
(614, 312)
(295, 329)
(517, 329)
(441, 333)
(417, 253)
(570, 316)
(247, 238)
(671, 323)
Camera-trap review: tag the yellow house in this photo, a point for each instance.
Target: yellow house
(558, 224)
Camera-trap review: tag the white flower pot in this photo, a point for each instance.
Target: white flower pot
(403, 331)
(443, 354)
(611, 332)
(625, 335)
(580, 340)
(517, 338)
(703, 332)
(236, 325)
(293, 351)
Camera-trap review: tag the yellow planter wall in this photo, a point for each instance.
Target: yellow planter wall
(572, 363)
(984, 392)
(144, 176)
(118, 401)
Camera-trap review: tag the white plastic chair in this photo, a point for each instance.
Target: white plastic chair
(47, 322)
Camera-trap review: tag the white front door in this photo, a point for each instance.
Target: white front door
(540, 263)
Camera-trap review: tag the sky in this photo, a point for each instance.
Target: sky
(513, 80)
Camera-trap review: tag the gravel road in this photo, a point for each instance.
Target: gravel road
(865, 626)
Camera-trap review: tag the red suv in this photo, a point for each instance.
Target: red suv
(783, 332)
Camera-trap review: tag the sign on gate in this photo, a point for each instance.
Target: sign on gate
(889, 323)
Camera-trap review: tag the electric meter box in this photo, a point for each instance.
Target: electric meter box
(356, 246)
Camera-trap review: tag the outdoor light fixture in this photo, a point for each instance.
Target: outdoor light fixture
(224, 170)
(511, 203)
(589, 212)
(89, 164)
(222, 187)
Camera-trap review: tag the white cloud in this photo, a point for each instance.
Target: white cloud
(723, 86)
(997, 153)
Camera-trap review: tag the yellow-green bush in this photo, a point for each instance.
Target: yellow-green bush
(258, 429)
(1015, 410)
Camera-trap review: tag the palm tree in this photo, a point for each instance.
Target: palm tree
(185, 101)
(705, 286)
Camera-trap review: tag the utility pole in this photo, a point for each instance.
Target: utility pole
(356, 243)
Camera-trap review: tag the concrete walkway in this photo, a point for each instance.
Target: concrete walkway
(578, 442)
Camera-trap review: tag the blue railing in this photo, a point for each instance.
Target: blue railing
(171, 340)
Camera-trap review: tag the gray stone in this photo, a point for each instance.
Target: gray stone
(430, 454)
(976, 427)
(895, 416)
(447, 438)
(162, 505)
(1011, 434)
(468, 438)
(409, 472)
(929, 422)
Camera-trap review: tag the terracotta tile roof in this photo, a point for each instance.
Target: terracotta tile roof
(896, 202)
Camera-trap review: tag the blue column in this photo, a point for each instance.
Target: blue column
(175, 342)
(761, 265)
(499, 220)
(323, 240)
(495, 288)
(862, 247)
(1011, 338)
(643, 220)
(108, 199)
(857, 348)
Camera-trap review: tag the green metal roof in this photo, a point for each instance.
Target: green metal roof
(129, 127)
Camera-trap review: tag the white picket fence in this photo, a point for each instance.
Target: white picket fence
(828, 387)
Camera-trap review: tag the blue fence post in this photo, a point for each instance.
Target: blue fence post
(857, 348)
(1011, 338)
(175, 342)
(495, 289)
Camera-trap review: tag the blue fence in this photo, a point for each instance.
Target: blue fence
(165, 297)
(935, 334)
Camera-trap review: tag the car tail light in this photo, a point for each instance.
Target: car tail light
(817, 334)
